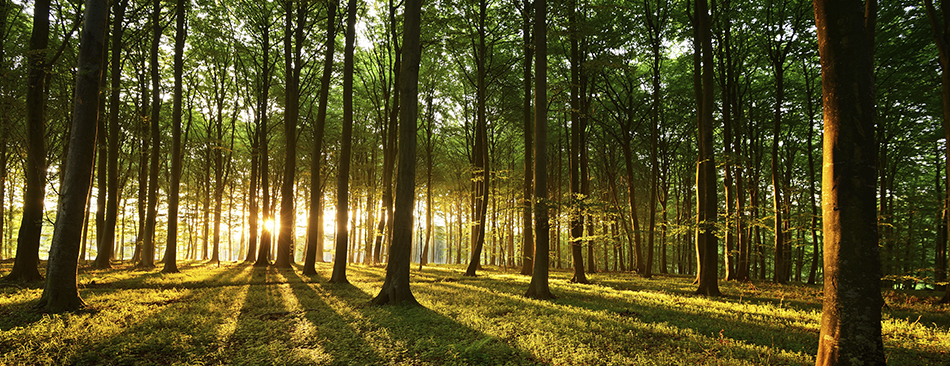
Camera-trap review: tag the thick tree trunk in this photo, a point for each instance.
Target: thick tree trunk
(315, 223)
(61, 292)
(396, 289)
(31, 224)
(343, 177)
(851, 316)
(538, 288)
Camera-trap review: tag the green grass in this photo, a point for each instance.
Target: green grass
(237, 314)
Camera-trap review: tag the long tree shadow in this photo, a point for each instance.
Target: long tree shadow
(139, 326)
(403, 334)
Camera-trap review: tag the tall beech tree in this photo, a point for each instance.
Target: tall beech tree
(293, 44)
(941, 33)
(171, 244)
(396, 289)
(851, 315)
(343, 175)
(151, 213)
(538, 287)
(25, 266)
(707, 244)
(61, 292)
(527, 238)
(315, 222)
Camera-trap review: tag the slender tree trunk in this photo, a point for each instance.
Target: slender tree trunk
(315, 223)
(576, 212)
(264, 252)
(851, 316)
(293, 43)
(941, 31)
(707, 197)
(482, 171)
(171, 244)
(343, 178)
(61, 292)
(527, 231)
(25, 266)
(151, 214)
(538, 288)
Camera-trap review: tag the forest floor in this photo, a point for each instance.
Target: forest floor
(238, 314)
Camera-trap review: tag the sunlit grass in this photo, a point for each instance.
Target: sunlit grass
(238, 314)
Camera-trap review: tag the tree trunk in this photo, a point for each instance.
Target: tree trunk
(264, 253)
(293, 65)
(481, 173)
(706, 241)
(31, 224)
(538, 288)
(61, 292)
(315, 223)
(171, 244)
(396, 289)
(343, 177)
(527, 231)
(851, 316)
(576, 211)
(151, 211)
(941, 31)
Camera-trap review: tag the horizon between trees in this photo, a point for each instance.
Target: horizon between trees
(654, 137)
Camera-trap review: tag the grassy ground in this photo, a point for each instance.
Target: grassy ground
(237, 314)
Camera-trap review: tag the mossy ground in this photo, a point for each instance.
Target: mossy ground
(238, 314)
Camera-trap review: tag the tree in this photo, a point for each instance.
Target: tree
(527, 238)
(106, 250)
(343, 196)
(851, 315)
(396, 289)
(941, 33)
(31, 225)
(171, 244)
(61, 292)
(538, 288)
(148, 240)
(481, 172)
(315, 223)
(707, 245)
(293, 43)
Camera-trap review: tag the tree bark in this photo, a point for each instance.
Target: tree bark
(481, 175)
(538, 288)
(851, 316)
(396, 290)
(61, 292)
(706, 241)
(527, 237)
(293, 43)
(151, 210)
(25, 266)
(315, 223)
(171, 244)
(343, 177)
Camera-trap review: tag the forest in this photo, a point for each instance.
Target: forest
(550, 165)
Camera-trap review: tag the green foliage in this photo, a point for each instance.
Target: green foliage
(237, 314)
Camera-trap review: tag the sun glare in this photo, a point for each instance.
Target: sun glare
(270, 225)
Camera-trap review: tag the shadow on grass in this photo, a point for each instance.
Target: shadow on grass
(400, 334)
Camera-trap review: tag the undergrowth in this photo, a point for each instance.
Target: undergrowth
(239, 314)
